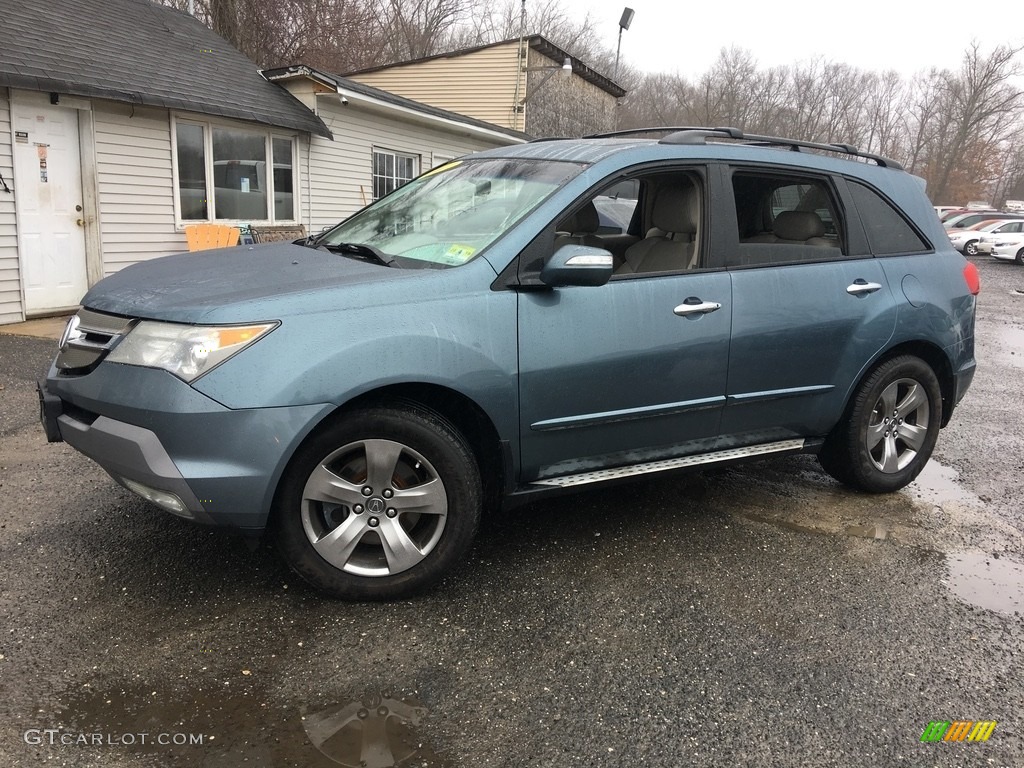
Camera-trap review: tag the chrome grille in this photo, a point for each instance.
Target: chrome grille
(88, 338)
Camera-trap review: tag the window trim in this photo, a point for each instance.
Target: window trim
(269, 134)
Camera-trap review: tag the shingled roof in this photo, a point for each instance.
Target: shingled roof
(139, 52)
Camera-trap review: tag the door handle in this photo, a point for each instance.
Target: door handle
(694, 306)
(862, 287)
(80, 222)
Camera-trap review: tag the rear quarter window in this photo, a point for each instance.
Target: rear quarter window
(888, 232)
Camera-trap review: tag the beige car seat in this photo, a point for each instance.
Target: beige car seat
(796, 227)
(671, 243)
(580, 228)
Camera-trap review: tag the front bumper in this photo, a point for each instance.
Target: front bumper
(148, 429)
(1004, 253)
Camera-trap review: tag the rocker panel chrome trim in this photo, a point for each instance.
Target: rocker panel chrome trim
(584, 478)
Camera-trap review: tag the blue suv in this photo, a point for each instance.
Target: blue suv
(525, 321)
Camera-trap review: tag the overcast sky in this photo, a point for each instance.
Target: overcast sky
(905, 35)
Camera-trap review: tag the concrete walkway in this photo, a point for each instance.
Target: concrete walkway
(43, 327)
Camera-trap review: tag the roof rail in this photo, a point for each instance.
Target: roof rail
(661, 129)
(701, 135)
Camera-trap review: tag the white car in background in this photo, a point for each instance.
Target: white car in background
(1009, 247)
(971, 242)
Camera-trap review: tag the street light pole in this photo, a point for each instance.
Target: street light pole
(624, 22)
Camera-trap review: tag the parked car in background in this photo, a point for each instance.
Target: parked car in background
(966, 240)
(1009, 247)
(941, 210)
(990, 234)
(947, 215)
(969, 219)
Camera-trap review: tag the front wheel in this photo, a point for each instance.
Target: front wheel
(971, 248)
(889, 430)
(380, 504)
(1020, 257)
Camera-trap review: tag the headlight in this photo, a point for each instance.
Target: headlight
(187, 351)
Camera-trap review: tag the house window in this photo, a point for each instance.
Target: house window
(391, 170)
(234, 163)
(192, 171)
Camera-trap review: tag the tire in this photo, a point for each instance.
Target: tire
(971, 248)
(1020, 257)
(867, 450)
(379, 504)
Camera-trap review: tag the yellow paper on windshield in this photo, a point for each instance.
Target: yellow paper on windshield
(457, 254)
(445, 167)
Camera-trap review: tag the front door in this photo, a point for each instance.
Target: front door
(48, 181)
(620, 374)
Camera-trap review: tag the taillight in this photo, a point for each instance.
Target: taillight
(972, 279)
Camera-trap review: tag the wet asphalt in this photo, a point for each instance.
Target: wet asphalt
(759, 615)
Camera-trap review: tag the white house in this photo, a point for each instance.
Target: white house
(123, 121)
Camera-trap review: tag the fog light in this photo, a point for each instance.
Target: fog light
(163, 499)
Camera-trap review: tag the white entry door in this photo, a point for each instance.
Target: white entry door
(48, 185)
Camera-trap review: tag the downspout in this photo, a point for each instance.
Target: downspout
(309, 185)
(520, 57)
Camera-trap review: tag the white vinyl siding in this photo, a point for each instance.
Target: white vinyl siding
(136, 189)
(341, 171)
(10, 285)
(481, 84)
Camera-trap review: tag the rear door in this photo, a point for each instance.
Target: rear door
(810, 305)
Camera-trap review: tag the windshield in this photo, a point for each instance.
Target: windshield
(450, 214)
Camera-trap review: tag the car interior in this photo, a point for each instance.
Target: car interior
(667, 209)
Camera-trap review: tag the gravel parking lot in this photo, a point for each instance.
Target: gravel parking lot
(760, 615)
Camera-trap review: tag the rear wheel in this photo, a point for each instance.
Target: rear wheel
(889, 430)
(1020, 257)
(380, 504)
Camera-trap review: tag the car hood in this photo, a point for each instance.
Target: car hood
(238, 284)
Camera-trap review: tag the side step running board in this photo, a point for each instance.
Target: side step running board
(568, 481)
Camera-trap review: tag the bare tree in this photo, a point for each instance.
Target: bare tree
(885, 96)
(412, 29)
(977, 108)
(1009, 181)
(335, 35)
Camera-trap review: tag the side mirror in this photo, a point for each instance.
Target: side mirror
(577, 265)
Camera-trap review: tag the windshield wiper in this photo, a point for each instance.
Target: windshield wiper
(362, 251)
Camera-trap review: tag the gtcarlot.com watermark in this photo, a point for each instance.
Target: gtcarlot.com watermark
(57, 737)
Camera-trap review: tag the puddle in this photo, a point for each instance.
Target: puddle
(232, 726)
(822, 527)
(909, 516)
(376, 732)
(938, 485)
(867, 531)
(986, 581)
